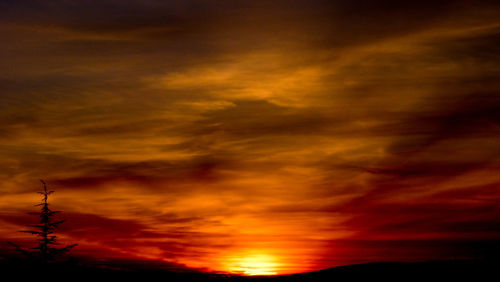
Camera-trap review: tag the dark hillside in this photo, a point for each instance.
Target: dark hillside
(383, 271)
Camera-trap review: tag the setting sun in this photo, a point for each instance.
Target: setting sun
(257, 264)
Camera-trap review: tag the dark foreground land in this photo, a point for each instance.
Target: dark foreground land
(459, 270)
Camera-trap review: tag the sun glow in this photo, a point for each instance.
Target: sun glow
(257, 264)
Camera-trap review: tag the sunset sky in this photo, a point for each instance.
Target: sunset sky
(254, 137)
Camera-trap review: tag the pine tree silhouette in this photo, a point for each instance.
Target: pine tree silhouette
(45, 251)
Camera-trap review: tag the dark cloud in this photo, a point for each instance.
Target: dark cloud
(260, 118)
(155, 172)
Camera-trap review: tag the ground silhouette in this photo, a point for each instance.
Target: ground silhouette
(457, 270)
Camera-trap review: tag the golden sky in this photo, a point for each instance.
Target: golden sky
(256, 137)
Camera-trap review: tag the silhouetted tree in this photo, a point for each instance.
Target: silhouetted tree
(45, 250)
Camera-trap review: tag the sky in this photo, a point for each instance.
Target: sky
(254, 137)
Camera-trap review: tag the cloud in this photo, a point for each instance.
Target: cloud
(306, 130)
